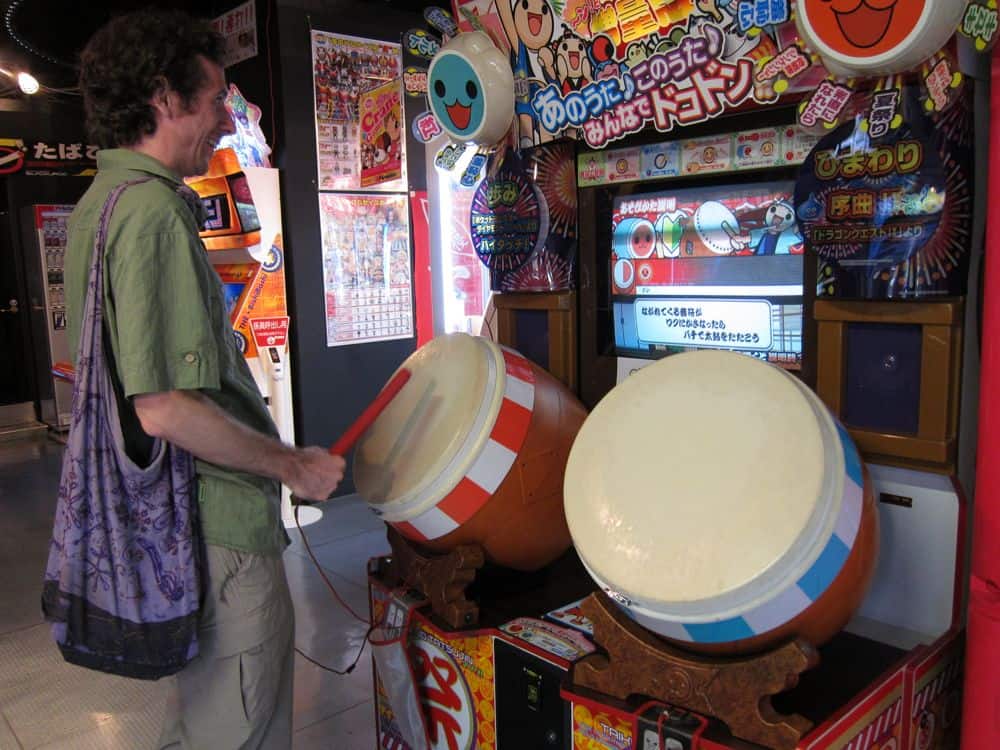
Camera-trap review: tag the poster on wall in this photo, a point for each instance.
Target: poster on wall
(381, 135)
(885, 200)
(343, 68)
(366, 268)
(239, 29)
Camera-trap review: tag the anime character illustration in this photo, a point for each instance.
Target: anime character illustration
(779, 234)
(572, 64)
(635, 238)
(529, 26)
(392, 128)
(383, 144)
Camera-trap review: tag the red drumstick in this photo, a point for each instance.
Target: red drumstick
(369, 415)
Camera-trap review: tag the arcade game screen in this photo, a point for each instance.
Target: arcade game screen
(717, 267)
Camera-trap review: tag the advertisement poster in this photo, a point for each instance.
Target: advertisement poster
(239, 29)
(366, 268)
(343, 68)
(381, 135)
(885, 201)
(715, 267)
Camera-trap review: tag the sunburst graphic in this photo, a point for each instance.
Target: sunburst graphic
(554, 172)
(942, 253)
(543, 273)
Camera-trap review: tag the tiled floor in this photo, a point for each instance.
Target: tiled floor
(45, 703)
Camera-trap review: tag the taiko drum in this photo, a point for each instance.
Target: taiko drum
(715, 499)
(473, 450)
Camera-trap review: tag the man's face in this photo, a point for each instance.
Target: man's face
(200, 126)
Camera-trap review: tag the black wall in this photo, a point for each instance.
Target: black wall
(331, 385)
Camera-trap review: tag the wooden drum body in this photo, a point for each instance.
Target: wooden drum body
(472, 450)
(719, 503)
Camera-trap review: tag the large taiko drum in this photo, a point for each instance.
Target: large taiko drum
(717, 501)
(472, 450)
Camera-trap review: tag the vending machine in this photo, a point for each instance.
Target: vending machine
(44, 233)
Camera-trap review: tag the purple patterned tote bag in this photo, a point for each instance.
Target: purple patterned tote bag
(123, 584)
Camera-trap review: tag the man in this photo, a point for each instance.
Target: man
(153, 92)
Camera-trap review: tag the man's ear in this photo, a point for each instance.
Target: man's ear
(164, 100)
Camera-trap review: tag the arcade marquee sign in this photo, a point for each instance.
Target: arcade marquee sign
(599, 70)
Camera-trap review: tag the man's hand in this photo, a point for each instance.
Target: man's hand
(313, 474)
(199, 426)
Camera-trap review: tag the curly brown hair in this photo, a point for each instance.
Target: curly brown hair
(132, 57)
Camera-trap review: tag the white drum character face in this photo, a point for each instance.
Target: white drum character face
(470, 87)
(871, 37)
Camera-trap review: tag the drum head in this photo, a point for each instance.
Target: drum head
(421, 445)
(694, 477)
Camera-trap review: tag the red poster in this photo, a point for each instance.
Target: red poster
(381, 135)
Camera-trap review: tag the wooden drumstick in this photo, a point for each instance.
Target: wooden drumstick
(363, 422)
(369, 415)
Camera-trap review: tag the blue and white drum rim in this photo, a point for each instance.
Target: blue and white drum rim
(744, 613)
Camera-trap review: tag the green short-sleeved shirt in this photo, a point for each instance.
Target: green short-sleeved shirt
(165, 319)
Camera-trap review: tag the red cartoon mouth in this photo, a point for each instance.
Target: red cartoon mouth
(460, 115)
(574, 60)
(865, 26)
(534, 23)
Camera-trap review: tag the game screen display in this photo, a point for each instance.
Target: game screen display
(717, 267)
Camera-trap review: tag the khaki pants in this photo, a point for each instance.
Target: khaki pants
(237, 694)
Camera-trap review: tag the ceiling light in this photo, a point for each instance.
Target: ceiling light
(28, 83)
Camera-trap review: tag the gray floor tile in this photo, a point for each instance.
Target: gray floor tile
(320, 694)
(350, 730)
(342, 517)
(135, 732)
(317, 613)
(348, 557)
(7, 739)
(29, 484)
(46, 700)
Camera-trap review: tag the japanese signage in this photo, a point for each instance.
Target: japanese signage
(366, 268)
(343, 68)
(884, 199)
(47, 158)
(270, 331)
(239, 29)
(381, 135)
(523, 222)
(722, 324)
(706, 155)
(599, 71)
(455, 684)
(661, 160)
(507, 220)
(751, 149)
(980, 23)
